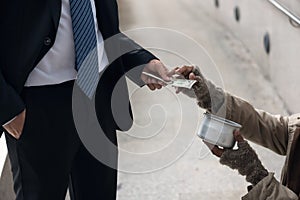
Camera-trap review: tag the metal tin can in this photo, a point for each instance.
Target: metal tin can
(218, 131)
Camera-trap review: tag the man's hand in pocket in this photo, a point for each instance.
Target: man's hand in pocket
(15, 127)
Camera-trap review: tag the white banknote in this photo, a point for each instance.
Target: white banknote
(175, 82)
(183, 83)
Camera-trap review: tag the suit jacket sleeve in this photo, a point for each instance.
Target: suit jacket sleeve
(135, 59)
(132, 55)
(11, 103)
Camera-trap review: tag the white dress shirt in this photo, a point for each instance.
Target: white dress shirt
(58, 65)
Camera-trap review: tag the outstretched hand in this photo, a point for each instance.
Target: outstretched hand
(156, 67)
(244, 159)
(208, 95)
(217, 151)
(186, 72)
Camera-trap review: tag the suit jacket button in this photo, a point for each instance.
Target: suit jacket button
(47, 41)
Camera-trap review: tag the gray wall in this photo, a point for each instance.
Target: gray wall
(258, 17)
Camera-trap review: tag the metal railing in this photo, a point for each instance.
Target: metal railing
(294, 19)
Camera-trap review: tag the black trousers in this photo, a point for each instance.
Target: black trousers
(49, 155)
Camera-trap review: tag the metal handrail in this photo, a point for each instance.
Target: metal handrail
(294, 19)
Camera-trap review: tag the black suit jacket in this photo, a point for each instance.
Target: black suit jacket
(28, 30)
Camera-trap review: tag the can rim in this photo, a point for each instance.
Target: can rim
(222, 120)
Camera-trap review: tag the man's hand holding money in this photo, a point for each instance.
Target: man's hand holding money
(157, 68)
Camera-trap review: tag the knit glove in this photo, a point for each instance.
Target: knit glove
(209, 96)
(244, 159)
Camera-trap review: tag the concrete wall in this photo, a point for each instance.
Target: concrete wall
(258, 17)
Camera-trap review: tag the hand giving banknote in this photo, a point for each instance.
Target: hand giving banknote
(175, 82)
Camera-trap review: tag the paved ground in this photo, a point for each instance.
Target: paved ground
(195, 175)
(161, 158)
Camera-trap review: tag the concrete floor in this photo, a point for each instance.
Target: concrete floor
(196, 174)
(161, 157)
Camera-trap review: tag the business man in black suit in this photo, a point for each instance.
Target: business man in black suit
(40, 58)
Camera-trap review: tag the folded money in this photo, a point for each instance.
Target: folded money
(175, 82)
(183, 83)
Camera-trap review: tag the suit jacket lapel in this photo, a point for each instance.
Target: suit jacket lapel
(55, 6)
(107, 17)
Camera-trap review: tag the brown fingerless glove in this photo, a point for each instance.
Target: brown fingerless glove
(208, 95)
(246, 161)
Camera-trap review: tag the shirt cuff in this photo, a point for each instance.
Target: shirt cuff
(9, 121)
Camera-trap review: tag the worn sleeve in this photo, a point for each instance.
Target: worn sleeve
(270, 131)
(269, 188)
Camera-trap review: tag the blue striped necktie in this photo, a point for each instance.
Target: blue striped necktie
(85, 41)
